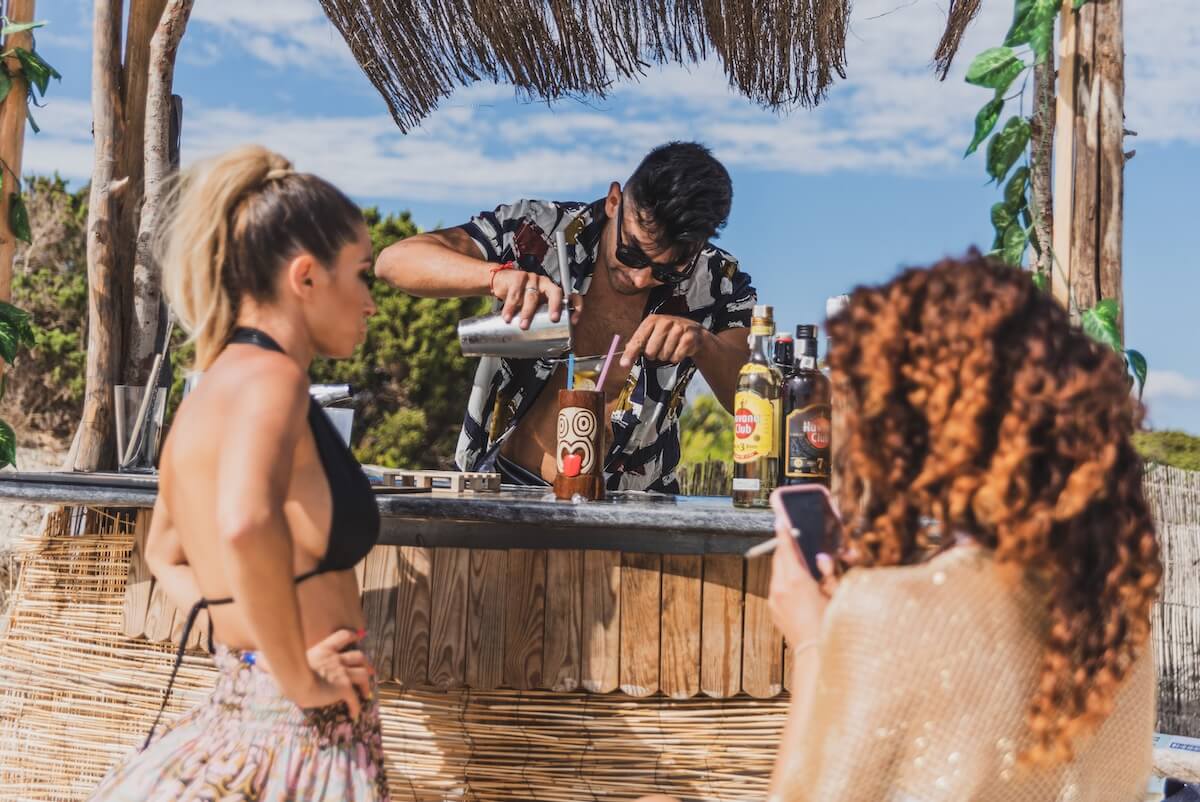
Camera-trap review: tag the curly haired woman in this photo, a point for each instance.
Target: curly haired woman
(991, 637)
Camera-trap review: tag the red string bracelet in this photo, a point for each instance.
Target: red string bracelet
(496, 269)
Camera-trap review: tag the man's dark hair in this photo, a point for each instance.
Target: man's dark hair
(681, 193)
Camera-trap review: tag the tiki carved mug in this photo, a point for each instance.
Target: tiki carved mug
(579, 450)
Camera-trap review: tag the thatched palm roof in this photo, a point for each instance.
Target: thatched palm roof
(779, 53)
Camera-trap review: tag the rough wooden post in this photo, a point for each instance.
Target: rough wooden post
(12, 140)
(147, 284)
(1041, 196)
(139, 302)
(1064, 157)
(93, 442)
(1085, 284)
(1096, 73)
(1110, 77)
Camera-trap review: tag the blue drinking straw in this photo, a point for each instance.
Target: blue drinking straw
(571, 371)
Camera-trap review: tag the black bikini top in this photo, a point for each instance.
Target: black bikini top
(354, 523)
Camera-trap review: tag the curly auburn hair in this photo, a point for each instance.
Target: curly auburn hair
(971, 401)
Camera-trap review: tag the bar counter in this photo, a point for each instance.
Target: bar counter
(628, 639)
(512, 518)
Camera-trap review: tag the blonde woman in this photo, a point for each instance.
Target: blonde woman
(262, 512)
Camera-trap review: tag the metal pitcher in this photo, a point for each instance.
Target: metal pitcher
(489, 335)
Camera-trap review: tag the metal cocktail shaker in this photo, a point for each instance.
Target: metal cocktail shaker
(489, 335)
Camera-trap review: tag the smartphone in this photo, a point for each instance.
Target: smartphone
(816, 526)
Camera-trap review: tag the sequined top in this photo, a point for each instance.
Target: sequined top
(926, 673)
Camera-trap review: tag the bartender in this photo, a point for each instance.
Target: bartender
(641, 266)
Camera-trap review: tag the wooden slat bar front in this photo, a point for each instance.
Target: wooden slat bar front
(675, 611)
(564, 621)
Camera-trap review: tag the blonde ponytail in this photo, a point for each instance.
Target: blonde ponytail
(230, 223)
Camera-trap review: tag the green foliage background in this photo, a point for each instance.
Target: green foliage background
(410, 376)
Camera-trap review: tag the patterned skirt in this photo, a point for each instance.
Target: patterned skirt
(248, 742)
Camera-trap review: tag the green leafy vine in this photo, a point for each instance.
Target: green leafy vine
(1029, 43)
(16, 327)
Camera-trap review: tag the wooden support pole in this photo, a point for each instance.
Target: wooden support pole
(139, 302)
(94, 446)
(1093, 80)
(1085, 285)
(1064, 157)
(12, 139)
(1110, 80)
(156, 153)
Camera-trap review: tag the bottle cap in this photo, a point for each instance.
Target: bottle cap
(763, 310)
(806, 331)
(836, 304)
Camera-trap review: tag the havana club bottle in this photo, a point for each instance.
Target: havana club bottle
(806, 416)
(757, 417)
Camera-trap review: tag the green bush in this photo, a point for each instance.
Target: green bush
(45, 386)
(1178, 449)
(410, 376)
(705, 432)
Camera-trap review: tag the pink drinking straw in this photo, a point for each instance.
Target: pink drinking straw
(612, 349)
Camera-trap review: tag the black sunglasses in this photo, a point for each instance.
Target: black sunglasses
(634, 257)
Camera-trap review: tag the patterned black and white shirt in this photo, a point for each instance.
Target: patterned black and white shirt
(645, 424)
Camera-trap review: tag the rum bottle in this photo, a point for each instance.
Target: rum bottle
(806, 416)
(756, 417)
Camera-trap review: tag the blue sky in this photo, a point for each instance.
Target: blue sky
(871, 181)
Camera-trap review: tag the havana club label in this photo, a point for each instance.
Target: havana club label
(754, 427)
(808, 440)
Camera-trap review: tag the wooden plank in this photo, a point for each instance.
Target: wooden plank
(1110, 79)
(448, 622)
(524, 619)
(140, 583)
(721, 626)
(160, 616)
(1064, 161)
(411, 660)
(1085, 277)
(601, 621)
(762, 643)
(564, 614)
(681, 593)
(485, 619)
(641, 602)
(380, 586)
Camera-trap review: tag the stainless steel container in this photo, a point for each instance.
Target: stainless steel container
(489, 335)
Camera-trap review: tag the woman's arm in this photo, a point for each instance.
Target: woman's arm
(165, 558)
(254, 473)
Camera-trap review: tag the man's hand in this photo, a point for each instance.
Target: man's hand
(524, 293)
(664, 338)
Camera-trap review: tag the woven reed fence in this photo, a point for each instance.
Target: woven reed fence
(76, 695)
(1174, 497)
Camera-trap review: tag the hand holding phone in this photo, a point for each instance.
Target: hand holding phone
(816, 526)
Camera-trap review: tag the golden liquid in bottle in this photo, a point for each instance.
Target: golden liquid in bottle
(756, 433)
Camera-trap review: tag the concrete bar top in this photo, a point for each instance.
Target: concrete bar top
(512, 518)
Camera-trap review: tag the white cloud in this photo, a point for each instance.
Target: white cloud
(1171, 385)
(281, 33)
(889, 115)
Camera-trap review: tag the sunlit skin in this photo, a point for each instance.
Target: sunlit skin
(447, 264)
(241, 483)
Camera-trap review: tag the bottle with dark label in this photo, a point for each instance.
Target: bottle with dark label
(756, 417)
(785, 355)
(806, 416)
